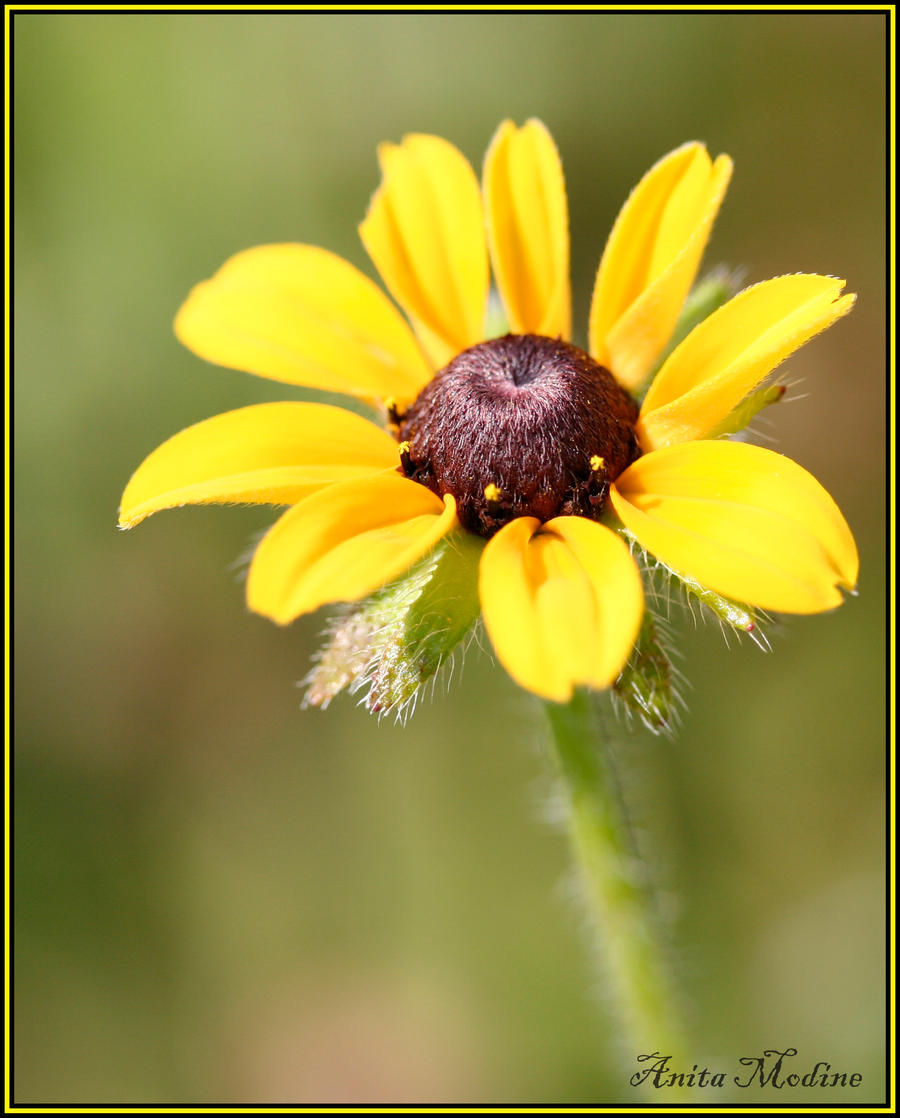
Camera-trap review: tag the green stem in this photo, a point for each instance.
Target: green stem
(617, 889)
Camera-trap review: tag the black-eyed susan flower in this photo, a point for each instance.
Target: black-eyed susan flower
(532, 444)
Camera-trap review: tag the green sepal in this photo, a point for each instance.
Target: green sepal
(747, 410)
(399, 637)
(737, 616)
(740, 618)
(647, 685)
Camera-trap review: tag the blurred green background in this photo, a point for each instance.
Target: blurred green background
(222, 898)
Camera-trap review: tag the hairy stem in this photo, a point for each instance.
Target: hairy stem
(617, 889)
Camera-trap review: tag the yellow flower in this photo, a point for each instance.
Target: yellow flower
(524, 439)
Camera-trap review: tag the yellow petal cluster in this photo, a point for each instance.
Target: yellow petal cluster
(562, 601)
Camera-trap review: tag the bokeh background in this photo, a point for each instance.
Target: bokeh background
(222, 898)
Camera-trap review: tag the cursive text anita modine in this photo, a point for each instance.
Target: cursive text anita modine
(772, 1069)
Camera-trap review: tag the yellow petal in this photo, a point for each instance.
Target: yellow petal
(562, 603)
(425, 234)
(729, 353)
(271, 454)
(742, 520)
(651, 259)
(343, 542)
(299, 314)
(528, 229)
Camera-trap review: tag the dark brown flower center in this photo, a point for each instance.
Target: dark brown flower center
(519, 426)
